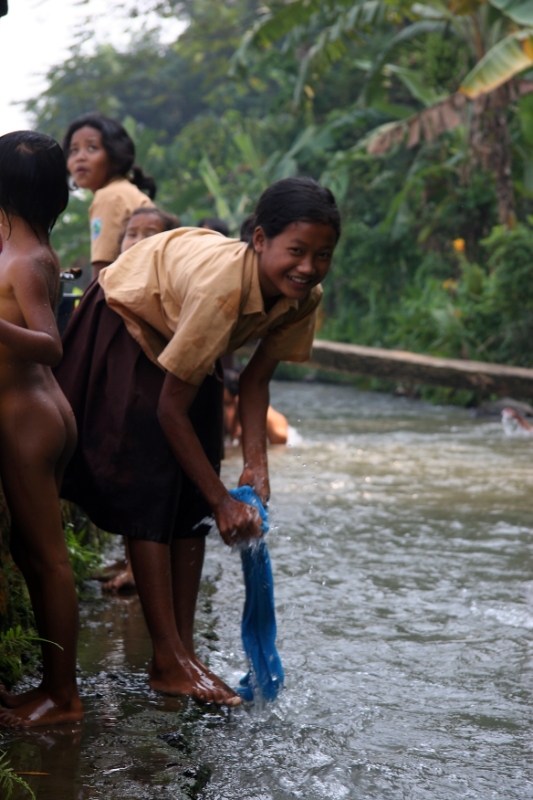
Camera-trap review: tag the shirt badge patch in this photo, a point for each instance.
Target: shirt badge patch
(96, 227)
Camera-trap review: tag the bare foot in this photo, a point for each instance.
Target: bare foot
(124, 580)
(206, 672)
(11, 700)
(42, 711)
(188, 679)
(211, 675)
(106, 573)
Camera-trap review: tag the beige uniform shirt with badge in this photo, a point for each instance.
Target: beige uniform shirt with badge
(189, 296)
(109, 212)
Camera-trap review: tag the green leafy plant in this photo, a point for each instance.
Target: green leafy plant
(84, 558)
(9, 778)
(15, 645)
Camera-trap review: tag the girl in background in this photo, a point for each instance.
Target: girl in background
(143, 223)
(100, 157)
(37, 427)
(146, 222)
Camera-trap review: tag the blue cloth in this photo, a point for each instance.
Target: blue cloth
(258, 627)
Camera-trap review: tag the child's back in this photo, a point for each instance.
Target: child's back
(37, 428)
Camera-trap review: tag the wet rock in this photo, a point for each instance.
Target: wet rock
(494, 408)
(195, 777)
(176, 740)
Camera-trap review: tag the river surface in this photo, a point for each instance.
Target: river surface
(402, 551)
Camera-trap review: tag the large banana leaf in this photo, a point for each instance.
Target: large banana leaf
(520, 11)
(506, 59)
(428, 124)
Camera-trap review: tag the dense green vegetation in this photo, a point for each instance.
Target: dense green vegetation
(249, 94)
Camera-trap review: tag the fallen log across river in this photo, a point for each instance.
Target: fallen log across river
(413, 368)
(416, 369)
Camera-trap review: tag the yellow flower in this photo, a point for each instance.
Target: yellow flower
(450, 285)
(459, 245)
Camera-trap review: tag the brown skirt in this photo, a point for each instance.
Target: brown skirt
(124, 474)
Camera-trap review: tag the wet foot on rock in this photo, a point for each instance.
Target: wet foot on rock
(109, 572)
(42, 711)
(124, 581)
(188, 679)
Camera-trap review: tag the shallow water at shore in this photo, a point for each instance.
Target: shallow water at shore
(402, 553)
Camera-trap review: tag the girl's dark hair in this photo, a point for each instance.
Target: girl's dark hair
(33, 178)
(170, 221)
(294, 200)
(246, 232)
(214, 224)
(118, 145)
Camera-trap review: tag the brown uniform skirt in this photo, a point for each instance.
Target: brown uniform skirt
(124, 474)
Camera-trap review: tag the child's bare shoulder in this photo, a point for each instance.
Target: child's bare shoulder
(29, 267)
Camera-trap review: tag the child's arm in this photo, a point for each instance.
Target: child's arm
(40, 341)
(234, 519)
(254, 400)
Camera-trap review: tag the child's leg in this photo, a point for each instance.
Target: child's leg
(187, 563)
(30, 463)
(173, 671)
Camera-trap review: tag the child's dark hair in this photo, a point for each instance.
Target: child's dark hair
(33, 178)
(118, 145)
(215, 224)
(169, 221)
(246, 232)
(294, 200)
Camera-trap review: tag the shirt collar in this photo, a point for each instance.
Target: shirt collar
(254, 302)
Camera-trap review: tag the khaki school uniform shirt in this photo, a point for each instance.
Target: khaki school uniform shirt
(109, 212)
(189, 296)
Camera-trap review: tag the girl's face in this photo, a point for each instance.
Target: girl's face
(140, 227)
(87, 161)
(296, 260)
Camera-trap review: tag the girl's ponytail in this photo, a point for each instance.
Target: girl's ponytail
(143, 182)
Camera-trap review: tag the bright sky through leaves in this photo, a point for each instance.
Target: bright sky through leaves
(37, 34)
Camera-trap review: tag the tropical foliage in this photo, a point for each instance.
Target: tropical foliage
(418, 116)
(9, 779)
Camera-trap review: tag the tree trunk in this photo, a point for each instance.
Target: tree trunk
(490, 146)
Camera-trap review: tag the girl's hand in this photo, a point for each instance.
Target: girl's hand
(237, 521)
(258, 480)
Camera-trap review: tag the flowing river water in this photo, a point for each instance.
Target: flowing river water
(402, 550)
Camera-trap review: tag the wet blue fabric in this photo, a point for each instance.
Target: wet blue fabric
(258, 627)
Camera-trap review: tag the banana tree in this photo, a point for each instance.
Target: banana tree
(497, 51)
(490, 85)
(259, 171)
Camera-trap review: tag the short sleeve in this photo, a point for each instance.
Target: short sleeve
(202, 335)
(108, 214)
(293, 339)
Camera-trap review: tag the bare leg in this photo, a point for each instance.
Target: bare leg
(33, 457)
(173, 671)
(187, 562)
(34, 505)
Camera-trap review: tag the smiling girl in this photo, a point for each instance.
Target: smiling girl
(139, 357)
(100, 156)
